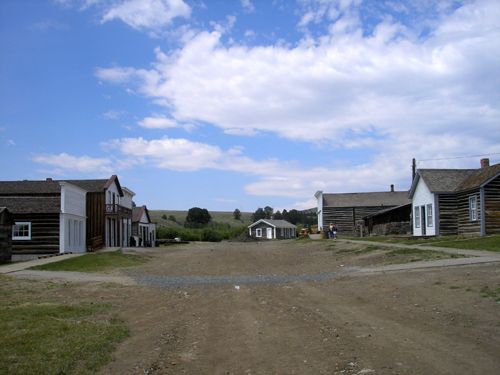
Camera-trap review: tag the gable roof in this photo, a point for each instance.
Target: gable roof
(375, 199)
(98, 185)
(274, 223)
(454, 180)
(27, 187)
(137, 213)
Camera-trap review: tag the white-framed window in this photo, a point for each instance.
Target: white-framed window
(258, 232)
(473, 208)
(21, 230)
(428, 211)
(417, 217)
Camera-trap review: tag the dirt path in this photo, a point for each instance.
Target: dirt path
(420, 321)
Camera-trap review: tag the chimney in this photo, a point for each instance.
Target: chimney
(485, 163)
(392, 188)
(48, 179)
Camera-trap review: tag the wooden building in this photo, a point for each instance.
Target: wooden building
(347, 210)
(456, 201)
(268, 229)
(6, 223)
(109, 212)
(49, 217)
(143, 229)
(391, 221)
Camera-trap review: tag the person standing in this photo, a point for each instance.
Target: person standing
(334, 231)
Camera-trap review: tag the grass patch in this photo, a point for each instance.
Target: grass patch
(491, 243)
(417, 255)
(494, 294)
(95, 262)
(52, 338)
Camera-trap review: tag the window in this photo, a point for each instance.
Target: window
(429, 215)
(21, 231)
(417, 217)
(473, 208)
(258, 232)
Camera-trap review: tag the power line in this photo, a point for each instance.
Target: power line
(460, 157)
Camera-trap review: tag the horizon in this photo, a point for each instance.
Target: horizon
(247, 104)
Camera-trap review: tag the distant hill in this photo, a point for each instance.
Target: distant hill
(225, 217)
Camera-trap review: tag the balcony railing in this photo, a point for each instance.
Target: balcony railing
(116, 209)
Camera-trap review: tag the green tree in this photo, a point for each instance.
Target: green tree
(269, 212)
(258, 214)
(237, 214)
(278, 215)
(164, 217)
(197, 217)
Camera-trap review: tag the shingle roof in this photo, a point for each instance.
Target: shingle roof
(386, 198)
(27, 187)
(455, 180)
(444, 180)
(275, 223)
(24, 205)
(92, 186)
(480, 177)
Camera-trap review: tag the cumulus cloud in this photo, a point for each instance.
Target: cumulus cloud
(70, 163)
(383, 81)
(147, 14)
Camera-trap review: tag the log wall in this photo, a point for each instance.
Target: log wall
(465, 225)
(346, 217)
(492, 206)
(44, 234)
(448, 220)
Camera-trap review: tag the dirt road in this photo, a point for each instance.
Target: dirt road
(427, 321)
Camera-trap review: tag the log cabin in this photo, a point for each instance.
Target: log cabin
(49, 217)
(347, 210)
(456, 201)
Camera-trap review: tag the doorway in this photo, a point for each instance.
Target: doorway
(422, 219)
(269, 233)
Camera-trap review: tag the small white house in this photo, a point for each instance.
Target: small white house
(267, 229)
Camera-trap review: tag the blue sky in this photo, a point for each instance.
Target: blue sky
(242, 104)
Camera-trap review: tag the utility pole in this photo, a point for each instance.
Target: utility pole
(413, 168)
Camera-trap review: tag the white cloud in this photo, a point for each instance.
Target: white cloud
(147, 14)
(390, 92)
(70, 163)
(248, 6)
(383, 82)
(158, 122)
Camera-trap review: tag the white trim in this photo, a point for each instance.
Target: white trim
(21, 238)
(473, 207)
(429, 212)
(258, 232)
(416, 215)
